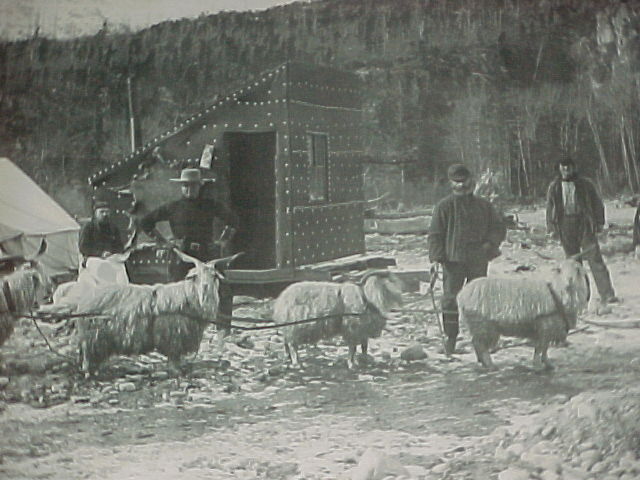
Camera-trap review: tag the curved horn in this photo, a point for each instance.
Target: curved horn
(371, 273)
(187, 258)
(224, 261)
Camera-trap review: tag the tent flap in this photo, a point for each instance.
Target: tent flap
(28, 214)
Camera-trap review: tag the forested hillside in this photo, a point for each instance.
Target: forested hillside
(506, 85)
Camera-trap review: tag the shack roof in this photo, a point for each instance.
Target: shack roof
(337, 88)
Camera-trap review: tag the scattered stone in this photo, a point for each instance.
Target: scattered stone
(113, 401)
(416, 471)
(543, 462)
(440, 468)
(127, 387)
(513, 473)
(589, 458)
(282, 470)
(4, 381)
(414, 352)
(501, 454)
(547, 475)
(375, 465)
(80, 398)
(515, 450)
(245, 342)
(548, 432)
(277, 370)
(160, 375)
(569, 473)
(599, 467)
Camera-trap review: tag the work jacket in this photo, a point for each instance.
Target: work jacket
(465, 228)
(589, 205)
(96, 238)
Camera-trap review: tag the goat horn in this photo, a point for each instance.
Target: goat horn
(371, 273)
(187, 258)
(225, 261)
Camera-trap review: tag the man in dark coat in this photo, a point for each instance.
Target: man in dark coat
(191, 221)
(464, 235)
(575, 214)
(100, 237)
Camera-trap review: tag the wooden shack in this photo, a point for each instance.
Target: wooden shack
(285, 152)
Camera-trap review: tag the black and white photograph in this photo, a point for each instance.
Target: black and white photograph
(320, 239)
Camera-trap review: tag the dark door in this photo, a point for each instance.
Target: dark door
(253, 197)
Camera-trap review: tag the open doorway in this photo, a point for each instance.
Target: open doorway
(253, 197)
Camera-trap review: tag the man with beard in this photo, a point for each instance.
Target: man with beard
(464, 235)
(575, 215)
(191, 220)
(100, 237)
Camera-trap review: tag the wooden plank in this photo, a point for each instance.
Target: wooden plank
(273, 276)
(414, 225)
(426, 212)
(352, 262)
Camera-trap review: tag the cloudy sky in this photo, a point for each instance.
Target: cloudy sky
(65, 18)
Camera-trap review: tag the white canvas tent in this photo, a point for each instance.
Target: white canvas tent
(27, 215)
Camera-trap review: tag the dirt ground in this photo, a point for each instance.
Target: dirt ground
(245, 415)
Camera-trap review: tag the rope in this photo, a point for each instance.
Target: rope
(268, 327)
(561, 310)
(46, 340)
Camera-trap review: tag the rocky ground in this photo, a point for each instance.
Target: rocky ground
(245, 415)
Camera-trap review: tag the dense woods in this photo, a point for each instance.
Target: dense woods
(501, 85)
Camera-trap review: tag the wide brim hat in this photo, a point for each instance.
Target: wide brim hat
(191, 175)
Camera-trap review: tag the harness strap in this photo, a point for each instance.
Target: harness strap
(559, 307)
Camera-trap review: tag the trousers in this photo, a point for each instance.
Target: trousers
(455, 275)
(575, 238)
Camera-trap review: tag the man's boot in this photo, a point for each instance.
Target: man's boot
(451, 328)
(450, 346)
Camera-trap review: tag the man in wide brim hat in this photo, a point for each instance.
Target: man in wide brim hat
(191, 175)
(191, 219)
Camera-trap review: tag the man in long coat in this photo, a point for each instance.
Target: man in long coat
(575, 214)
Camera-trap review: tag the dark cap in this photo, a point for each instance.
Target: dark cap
(566, 160)
(458, 172)
(100, 204)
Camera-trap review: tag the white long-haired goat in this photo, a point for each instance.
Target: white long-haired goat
(22, 290)
(168, 318)
(355, 311)
(540, 309)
